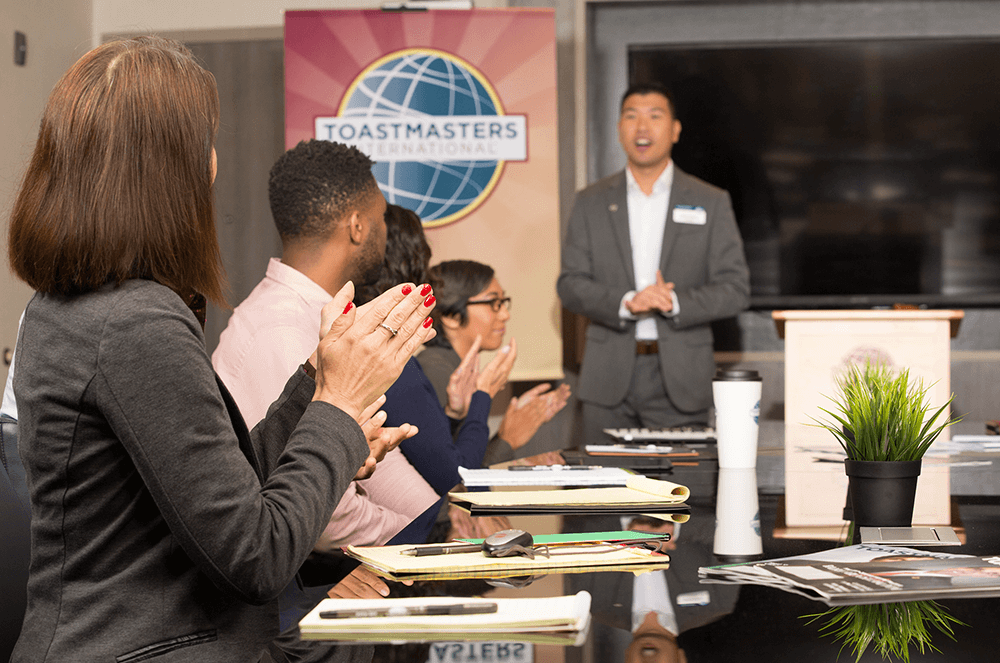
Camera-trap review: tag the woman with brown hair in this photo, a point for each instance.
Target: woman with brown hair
(162, 528)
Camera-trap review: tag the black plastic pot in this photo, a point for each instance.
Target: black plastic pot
(882, 492)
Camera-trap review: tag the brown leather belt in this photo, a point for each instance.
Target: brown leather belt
(647, 348)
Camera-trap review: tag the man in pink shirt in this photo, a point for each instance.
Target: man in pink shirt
(329, 213)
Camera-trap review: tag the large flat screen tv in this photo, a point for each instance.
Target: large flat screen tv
(862, 173)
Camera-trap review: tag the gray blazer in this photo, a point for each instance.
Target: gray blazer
(705, 262)
(161, 528)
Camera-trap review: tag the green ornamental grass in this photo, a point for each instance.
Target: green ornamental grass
(889, 628)
(882, 416)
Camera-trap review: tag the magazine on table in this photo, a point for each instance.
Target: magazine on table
(868, 573)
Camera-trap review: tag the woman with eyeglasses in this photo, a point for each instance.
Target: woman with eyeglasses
(471, 315)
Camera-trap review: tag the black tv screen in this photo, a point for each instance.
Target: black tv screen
(862, 173)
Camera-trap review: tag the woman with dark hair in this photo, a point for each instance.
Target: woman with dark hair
(160, 526)
(471, 315)
(433, 450)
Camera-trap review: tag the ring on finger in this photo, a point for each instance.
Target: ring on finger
(388, 328)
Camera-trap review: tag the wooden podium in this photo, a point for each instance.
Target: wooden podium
(819, 346)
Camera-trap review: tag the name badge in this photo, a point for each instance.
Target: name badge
(690, 214)
(694, 598)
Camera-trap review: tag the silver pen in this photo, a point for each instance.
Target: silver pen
(558, 468)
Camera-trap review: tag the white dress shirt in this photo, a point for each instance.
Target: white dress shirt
(651, 594)
(9, 405)
(647, 216)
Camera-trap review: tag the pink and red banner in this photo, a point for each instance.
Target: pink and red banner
(458, 110)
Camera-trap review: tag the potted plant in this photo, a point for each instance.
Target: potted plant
(884, 424)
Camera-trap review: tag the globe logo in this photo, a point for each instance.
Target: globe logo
(435, 128)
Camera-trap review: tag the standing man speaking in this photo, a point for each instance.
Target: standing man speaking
(651, 256)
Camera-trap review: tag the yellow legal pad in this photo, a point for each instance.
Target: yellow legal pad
(390, 562)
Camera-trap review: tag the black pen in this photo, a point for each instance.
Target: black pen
(424, 551)
(478, 608)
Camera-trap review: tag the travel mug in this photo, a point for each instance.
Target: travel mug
(737, 411)
(737, 516)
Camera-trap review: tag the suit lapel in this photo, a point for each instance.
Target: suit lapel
(678, 196)
(617, 208)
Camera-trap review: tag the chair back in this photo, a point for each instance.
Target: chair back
(13, 468)
(15, 538)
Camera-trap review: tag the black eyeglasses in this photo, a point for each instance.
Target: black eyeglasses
(494, 303)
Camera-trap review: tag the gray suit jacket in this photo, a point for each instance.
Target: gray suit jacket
(161, 528)
(705, 262)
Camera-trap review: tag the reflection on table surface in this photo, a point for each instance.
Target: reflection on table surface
(701, 622)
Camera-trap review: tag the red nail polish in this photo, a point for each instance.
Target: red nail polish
(428, 322)
(426, 290)
(429, 301)
(407, 289)
(347, 308)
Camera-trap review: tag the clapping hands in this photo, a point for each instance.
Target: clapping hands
(363, 350)
(525, 414)
(469, 378)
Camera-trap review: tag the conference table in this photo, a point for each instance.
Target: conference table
(725, 623)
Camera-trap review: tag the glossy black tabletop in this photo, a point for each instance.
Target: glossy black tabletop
(720, 623)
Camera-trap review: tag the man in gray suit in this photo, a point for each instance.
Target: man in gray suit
(651, 256)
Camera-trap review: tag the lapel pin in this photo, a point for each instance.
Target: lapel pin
(613, 207)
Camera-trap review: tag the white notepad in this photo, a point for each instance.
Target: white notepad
(520, 615)
(547, 475)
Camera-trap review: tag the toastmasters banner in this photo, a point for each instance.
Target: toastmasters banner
(458, 110)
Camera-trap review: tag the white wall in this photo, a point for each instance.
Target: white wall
(134, 16)
(58, 32)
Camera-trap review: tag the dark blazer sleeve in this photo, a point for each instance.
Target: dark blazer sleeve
(246, 531)
(411, 399)
(438, 364)
(596, 261)
(498, 451)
